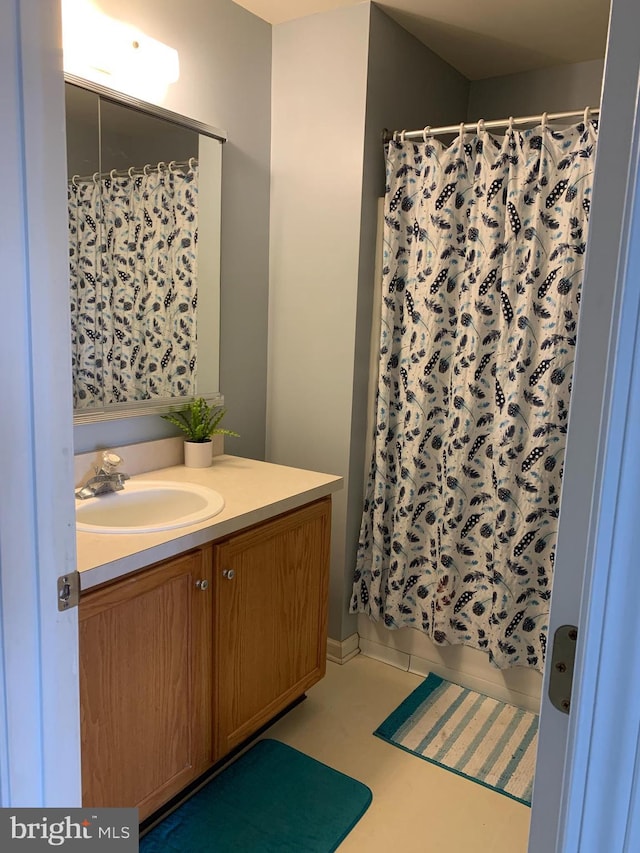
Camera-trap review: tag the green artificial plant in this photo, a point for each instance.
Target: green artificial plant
(199, 421)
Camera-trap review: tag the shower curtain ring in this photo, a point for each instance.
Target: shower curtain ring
(544, 120)
(96, 177)
(402, 133)
(461, 132)
(425, 132)
(172, 167)
(587, 113)
(192, 163)
(161, 165)
(113, 175)
(75, 179)
(130, 172)
(510, 124)
(481, 128)
(146, 168)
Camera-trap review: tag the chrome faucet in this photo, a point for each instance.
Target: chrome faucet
(106, 479)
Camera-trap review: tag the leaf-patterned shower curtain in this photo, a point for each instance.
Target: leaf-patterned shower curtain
(133, 270)
(484, 248)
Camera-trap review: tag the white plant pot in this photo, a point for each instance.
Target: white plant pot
(198, 454)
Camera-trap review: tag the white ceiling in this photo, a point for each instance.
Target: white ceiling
(481, 38)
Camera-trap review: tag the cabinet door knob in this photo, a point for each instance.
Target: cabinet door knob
(229, 574)
(203, 584)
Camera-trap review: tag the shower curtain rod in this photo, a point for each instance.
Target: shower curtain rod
(481, 124)
(140, 170)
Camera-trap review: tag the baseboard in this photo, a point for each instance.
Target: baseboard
(385, 654)
(486, 681)
(341, 651)
(421, 666)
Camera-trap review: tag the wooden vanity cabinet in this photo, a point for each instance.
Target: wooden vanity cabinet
(270, 619)
(145, 684)
(183, 661)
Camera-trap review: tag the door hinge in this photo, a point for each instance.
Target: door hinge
(562, 660)
(68, 590)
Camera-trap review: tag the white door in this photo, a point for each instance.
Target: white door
(586, 768)
(39, 716)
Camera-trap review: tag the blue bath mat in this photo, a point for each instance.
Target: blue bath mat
(273, 799)
(480, 738)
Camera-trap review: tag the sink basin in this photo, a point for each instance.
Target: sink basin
(145, 506)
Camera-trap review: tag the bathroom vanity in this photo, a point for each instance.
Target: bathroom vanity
(192, 639)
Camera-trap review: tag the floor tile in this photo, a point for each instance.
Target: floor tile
(416, 805)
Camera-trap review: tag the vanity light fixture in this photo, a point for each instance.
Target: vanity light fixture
(116, 54)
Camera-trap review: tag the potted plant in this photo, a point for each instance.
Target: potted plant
(199, 421)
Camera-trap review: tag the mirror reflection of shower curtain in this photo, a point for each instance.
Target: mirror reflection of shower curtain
(133, 270)
(83, 201)
(484, 250)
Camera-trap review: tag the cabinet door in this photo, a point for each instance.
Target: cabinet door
(270, 623)
(145, 684)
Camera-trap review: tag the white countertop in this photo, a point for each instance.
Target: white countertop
(253, 491)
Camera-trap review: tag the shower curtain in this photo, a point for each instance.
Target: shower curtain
(484, 247)
(133, 270)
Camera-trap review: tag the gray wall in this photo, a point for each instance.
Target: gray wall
(319, 101)
(558, 89)
(408, 87)
(225, 81)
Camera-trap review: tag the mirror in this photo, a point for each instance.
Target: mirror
(143, 196)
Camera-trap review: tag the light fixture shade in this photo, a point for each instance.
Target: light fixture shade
(114, 53)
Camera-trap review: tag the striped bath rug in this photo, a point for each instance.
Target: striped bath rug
(472, 735)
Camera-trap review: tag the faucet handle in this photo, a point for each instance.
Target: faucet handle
(110, 461)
